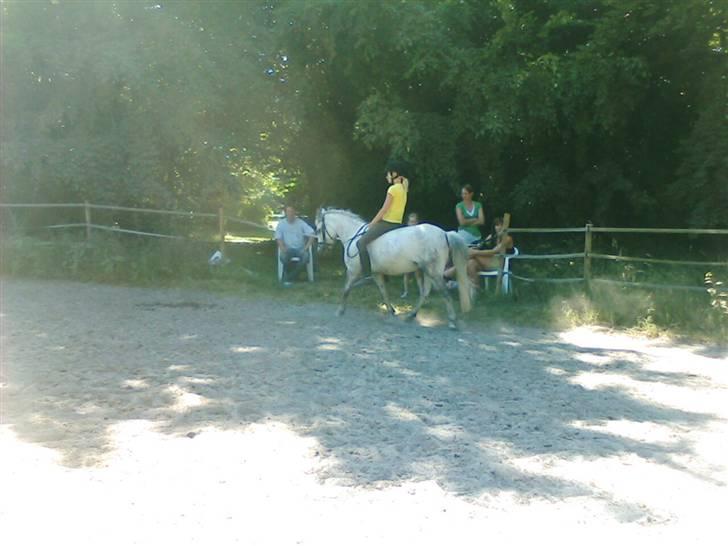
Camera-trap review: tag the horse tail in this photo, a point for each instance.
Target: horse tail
(459, 254)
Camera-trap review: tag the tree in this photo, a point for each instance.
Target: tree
(154, 105)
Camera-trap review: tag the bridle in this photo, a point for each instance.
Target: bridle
(324, 233)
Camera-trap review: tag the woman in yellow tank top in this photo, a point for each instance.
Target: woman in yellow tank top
(390, 215)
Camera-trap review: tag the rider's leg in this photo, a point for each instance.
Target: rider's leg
(361, 244)
(372, 233)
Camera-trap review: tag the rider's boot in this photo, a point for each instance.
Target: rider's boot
(366, 265)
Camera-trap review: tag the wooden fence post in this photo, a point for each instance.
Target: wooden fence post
(221, 228)
(87, 215)
(587, 256)
(499, 281)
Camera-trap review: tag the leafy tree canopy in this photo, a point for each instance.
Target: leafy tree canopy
(560, 111)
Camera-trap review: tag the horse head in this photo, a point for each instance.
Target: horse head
(323, 236)
(337, 225)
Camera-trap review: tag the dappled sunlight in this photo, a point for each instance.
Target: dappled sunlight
(445, 432)
(595, 380)
(162, 161)
(329, 344)
(429, 319)
(641, 431)
(246, 349)
(328, 347)
(402, 414)
(198, 380)
(522, 419)
(594, 359)
(179, 367)
(487, 348)
(135, 384)
(184, 400)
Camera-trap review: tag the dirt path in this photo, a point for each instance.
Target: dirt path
(138, 416)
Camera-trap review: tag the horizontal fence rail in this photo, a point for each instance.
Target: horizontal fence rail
(565, 280)
(685, 231)
(117, 230)
(655, 260)
(650, 285)
(546, 230)
(546, 256)
(189, 214)
(248, 223)
(40, 205)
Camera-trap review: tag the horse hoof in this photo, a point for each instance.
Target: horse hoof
(410, 316)
(452, 325)
(339, 312)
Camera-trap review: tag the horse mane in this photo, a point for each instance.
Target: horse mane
(346, 212)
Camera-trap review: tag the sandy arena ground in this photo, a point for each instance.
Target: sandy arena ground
(140, 416)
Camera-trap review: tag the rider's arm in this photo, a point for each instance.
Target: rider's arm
(501, 247)
(281, 245)
(383, 210)
(473, 252)
(480, 220)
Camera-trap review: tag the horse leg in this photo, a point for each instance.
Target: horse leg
(439, 284)
(424, 289)
(350, 278)
(379, 280)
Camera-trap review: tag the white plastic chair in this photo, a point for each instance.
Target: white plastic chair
(309, 265)
(506, 272)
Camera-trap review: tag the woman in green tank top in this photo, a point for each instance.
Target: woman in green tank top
(470, 216)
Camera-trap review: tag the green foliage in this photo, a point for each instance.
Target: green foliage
(560, 112)
(140, 104)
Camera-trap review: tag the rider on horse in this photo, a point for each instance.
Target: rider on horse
(390, 215)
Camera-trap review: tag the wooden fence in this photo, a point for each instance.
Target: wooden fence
(88, 224)
(587, 255)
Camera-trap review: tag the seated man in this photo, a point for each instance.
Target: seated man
(294, 238)
(486, 259)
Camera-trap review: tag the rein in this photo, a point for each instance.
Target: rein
(325, 233)
(359, 232)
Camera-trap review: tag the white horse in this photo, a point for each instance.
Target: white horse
(422, 249)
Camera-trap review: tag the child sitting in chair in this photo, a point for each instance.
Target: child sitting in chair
(485, 259)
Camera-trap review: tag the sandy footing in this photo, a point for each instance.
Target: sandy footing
(141, 416)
